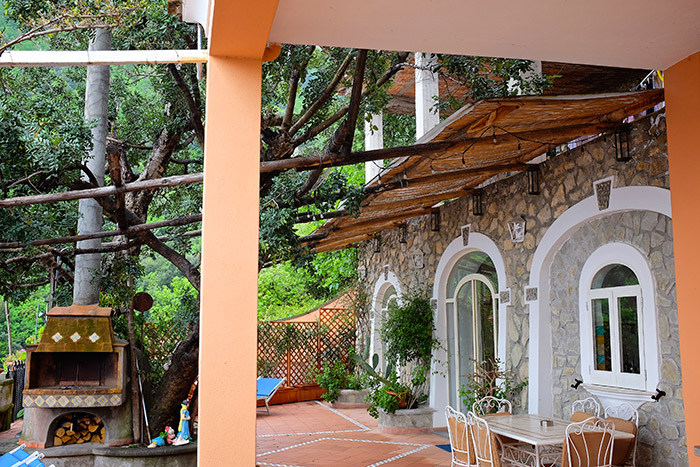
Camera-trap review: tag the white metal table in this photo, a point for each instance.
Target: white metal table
(546, 440)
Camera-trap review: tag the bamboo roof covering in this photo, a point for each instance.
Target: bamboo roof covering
(478, 141)
(568, 78)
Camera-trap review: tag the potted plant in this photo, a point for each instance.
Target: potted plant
(344, 388)
(407, 333)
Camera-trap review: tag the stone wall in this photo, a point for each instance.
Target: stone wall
(564, 181)
(662, 426)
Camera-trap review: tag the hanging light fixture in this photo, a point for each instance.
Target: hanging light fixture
(477, 208)
(435, 220)
(622, 143)
(377, 243)
(533, 181)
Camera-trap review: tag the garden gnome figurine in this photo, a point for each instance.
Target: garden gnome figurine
(164, 439)
(183, 429)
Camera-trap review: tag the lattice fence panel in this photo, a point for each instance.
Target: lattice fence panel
(272, 351)
(337, 335)
(302, 353)
(296, 350)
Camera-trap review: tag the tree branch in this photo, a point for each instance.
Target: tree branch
(195, 112)
(102, 191)
(339, 114)
(132, 230)
(325, 95)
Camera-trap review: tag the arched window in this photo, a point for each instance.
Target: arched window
(615, 308)
(620, 358)
(387, 299)
(472, 317)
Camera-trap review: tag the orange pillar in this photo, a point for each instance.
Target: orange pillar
(238, 34)
(228, 338)
(683, 124)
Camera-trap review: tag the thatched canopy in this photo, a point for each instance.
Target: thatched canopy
(479, 141)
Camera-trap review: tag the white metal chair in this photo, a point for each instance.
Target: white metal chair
(486, 447)
(588, 444)
(461, 442)
(584, 409)
(491, 405)
(625, 418)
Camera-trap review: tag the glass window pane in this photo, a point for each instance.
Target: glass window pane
(475, 262)
(629, 334)
(484, 310)
(614, 275)
(601, 331)
(465, 333)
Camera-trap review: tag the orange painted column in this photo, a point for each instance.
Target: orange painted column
(683, 124)
(228, 324)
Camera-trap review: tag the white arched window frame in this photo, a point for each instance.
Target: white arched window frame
(439, 385)
(598, 382)
(380, 300)
(477, 350)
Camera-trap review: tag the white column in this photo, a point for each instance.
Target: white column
(374, 139)
(427, 116)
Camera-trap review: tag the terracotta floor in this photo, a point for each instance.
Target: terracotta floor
(313, 434)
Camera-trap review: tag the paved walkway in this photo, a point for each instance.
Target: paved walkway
(313, 434)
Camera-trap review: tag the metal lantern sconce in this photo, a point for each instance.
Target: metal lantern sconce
(403, 231)
(378, 244)
(622, 143)
(533, 181)
(477, 208)
(435, 220)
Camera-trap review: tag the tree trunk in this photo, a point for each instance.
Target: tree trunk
(176, 383)
(85, 288)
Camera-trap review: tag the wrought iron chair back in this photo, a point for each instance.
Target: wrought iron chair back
(588, 406)
(485, 442)
(461, 442)
(490, 405)
(588, 444)
(625, 418)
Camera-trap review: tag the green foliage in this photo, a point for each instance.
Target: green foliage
(19, 356)
(388, 397)
(408, 334)
(118, 273)
(408, 329)
(337, 376)
(284, 291)
(23, 321)
(489, 379)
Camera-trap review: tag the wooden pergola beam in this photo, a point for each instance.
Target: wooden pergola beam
(130, 231)
(101, 192)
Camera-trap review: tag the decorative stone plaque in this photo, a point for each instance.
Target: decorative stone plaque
(466, 230)
(504, 297)
(418, 261)
(603, 189)
(517, 230)
(530, 294)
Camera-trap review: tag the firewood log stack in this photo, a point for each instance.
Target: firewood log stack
(78, 429)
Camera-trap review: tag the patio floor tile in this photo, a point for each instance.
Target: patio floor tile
(313, 434)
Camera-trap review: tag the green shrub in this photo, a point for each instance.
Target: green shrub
(337, 376)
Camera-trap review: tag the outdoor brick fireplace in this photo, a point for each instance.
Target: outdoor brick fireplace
(77, 370)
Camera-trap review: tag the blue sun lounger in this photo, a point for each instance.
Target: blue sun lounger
(267, 387)
(18, 457)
